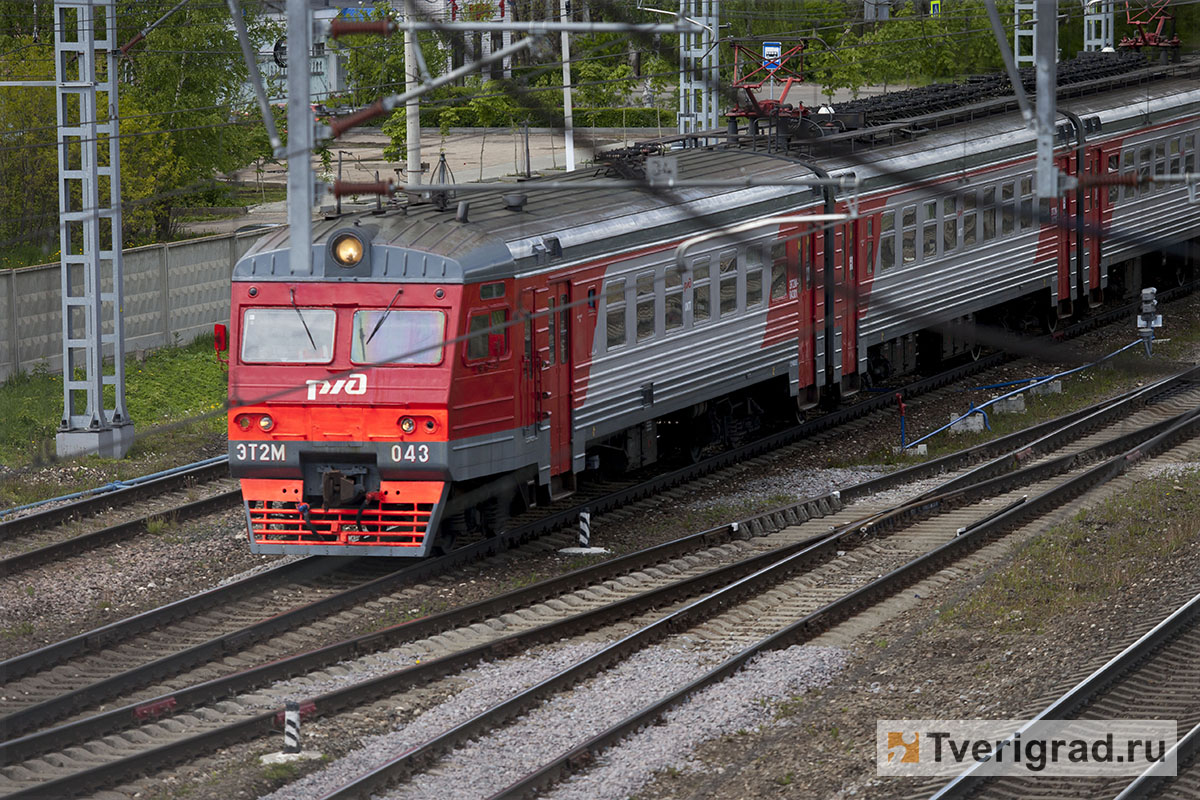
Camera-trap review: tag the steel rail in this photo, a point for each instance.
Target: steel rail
(422, 673)
(115, 533)
(55, 708)
(1152, 780)
(1082, 693)
(10, 529)
(840, 609)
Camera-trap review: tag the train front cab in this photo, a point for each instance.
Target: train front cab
(338, 425)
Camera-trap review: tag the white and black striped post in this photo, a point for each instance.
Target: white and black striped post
(291, 727)
(585, 528)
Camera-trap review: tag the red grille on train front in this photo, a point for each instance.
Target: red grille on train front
(398, 518)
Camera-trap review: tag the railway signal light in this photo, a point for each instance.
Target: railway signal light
(1149, 318)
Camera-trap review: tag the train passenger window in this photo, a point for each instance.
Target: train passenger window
(1173, 146)
(778, 281)
(1189, 162)
(987, 212)
(1127, 159)
(1189, 142)
(909, 234)
(399, 336)
(614, 305)
(887, 240)
(970, 232)
(282, 335)
(528, 344)
(673, 283)
(887, 252)
(564, 329)
(1026, 186)
(870, 260)
(645, 306)
(1114, 163)
(1006, 209)
(482, 332)
(728, 282)
(930, 210)
(490, 291)
(929, 240)
(910, 217)
(1114, 194)
(949, 233)
(701, 291)
(754, 288)
(552, 331)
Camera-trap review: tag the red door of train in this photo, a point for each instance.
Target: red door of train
(556, 373)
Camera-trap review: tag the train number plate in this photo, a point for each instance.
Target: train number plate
(260, 451)
(417, 454)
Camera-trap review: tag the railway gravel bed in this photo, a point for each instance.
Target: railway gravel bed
(794, 601)
(865, 570)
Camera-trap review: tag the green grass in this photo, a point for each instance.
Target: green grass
(1086, 559)
(167, 396)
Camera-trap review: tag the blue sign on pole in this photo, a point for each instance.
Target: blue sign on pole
(771, 55)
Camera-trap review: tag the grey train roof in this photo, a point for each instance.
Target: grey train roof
(423, 244)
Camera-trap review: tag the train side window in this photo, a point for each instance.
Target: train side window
(1114, 163)
(887, 240)
(487, 335)
(929, 240)
(779, 269)
(779, 280)
(949, 224)
(1027, 220)
(491, 291)
(1006, 209)
(614, 313)
(754, 277)
(1189, 142)
(645, 306)
(701, 291)
(673, 318)
(987, 210)
(528, 344)
(970, 220)
(564, 329)
(728, 282)
(909, 234)
(552, 331)
(870, 260)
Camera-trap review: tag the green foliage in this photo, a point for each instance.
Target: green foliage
(172, 384)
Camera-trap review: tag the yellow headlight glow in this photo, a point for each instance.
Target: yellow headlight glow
(347, 249)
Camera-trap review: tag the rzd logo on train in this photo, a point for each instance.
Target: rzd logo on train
(355, 383)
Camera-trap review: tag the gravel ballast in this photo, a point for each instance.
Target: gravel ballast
(483, 767)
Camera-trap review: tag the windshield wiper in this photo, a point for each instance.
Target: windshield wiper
(302, 322)
(386, 311)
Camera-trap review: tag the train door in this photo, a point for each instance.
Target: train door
(1092, 211)
(1066, 234)
(529, 398)
(845, 303)
(556, 375)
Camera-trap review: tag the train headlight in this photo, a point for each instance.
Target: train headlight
(408, 424)
(243, 422)
(265, 422)
(348, 250)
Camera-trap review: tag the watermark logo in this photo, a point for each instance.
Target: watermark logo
(1022, 747)
(906, 752)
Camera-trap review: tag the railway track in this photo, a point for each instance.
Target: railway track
(646, 582)
(70, 529)
(1156, 677)
(747, 613)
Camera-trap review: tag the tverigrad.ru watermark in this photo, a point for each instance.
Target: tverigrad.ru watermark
(996, 747)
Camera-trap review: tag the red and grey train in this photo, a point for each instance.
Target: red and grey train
(437, 370)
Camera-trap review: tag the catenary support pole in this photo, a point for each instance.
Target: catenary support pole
(301, 188)
(568, 115)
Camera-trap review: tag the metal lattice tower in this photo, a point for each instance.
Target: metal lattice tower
(699, 60)
(89, 205)
(1098, 25)
(1024, 42)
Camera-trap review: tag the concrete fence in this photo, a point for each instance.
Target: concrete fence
(173, 293)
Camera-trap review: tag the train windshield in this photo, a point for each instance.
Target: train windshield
(397, 336)
(288, 335)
